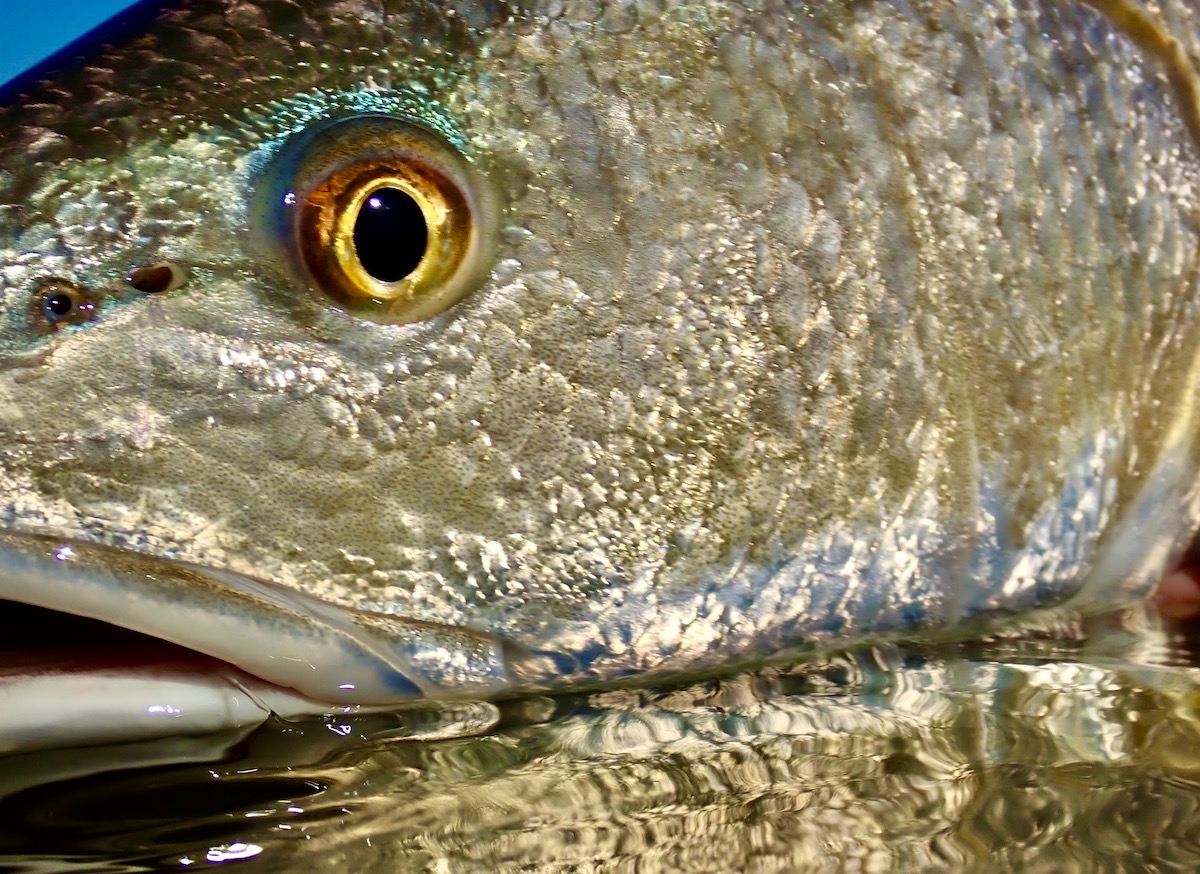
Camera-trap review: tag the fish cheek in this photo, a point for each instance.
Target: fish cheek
(166, 446)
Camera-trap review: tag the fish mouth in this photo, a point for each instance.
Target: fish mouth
(72, 608)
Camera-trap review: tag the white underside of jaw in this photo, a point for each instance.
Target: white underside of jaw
(60, 708)
(49, 702)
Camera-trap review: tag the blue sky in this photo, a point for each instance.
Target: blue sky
(29, 31)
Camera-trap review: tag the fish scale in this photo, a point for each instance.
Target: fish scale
(800, 325)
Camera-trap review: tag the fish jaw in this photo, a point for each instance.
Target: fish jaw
(323, 656)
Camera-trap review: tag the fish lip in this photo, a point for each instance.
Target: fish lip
(309, 655)
(68, 682)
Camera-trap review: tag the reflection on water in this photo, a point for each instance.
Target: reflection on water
(1029, 755)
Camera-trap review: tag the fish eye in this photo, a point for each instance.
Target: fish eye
(58, 303)
(389, 234)
(389, 219)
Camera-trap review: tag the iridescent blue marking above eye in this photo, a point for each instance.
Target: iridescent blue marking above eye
(290, 129)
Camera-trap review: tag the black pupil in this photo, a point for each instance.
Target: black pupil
(390, 235)
(60, 304)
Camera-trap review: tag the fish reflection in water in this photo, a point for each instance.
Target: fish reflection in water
(1013, 755)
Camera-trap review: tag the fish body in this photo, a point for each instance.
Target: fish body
(738, 327)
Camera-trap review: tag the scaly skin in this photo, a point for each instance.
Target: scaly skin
(803, 322)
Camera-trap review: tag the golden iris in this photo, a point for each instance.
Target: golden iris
(394, 234)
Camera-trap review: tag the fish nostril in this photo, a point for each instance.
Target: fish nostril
(157, 278)
(58, 303)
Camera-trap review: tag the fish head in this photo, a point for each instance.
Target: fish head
(393, 349)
